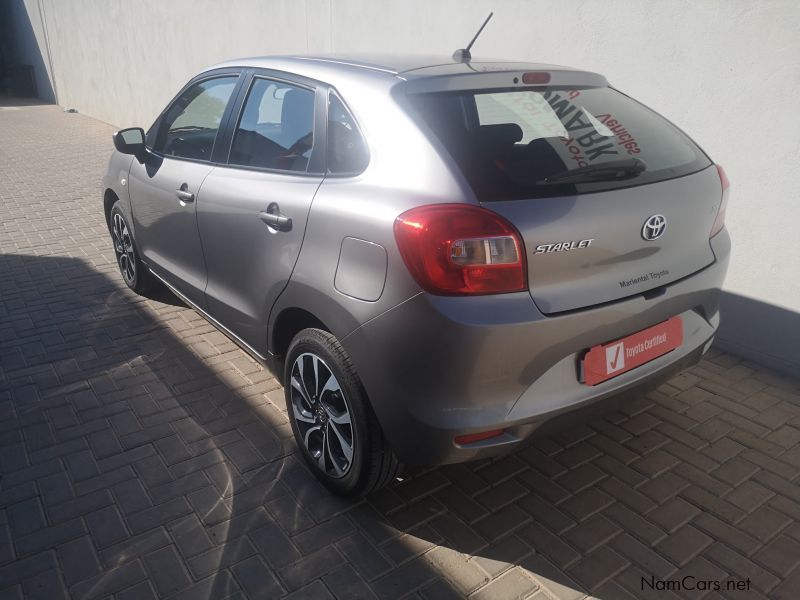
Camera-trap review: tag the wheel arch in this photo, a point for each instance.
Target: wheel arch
(109, 199)
(289, 322)
(298, 307)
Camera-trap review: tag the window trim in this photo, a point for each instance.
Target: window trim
(334, 92)
(316, 161)
(216, 74)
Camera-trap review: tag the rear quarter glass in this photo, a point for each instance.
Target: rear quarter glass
(508, 142)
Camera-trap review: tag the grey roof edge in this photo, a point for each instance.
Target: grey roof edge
(405, 65)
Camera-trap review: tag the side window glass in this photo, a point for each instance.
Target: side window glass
(189, 126)
(347, 151)
(276, 127)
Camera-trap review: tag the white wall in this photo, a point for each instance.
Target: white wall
(727, 71)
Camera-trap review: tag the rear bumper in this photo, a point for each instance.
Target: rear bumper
(438, 367)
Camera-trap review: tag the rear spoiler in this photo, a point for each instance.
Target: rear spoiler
(503, 79)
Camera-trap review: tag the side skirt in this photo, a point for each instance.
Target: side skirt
(269, 362)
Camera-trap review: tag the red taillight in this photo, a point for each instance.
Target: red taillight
(471, 438)
(458, 249)
(719, 222)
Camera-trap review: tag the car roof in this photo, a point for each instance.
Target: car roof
(407, 66)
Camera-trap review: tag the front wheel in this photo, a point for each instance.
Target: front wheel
(133, 271)
(333, 423)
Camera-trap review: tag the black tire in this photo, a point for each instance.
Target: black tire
(373, 464)
(135, 274)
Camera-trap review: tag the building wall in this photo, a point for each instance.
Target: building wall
(23, 28)
(727, 71)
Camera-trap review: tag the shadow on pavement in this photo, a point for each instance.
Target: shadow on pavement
(144, 428)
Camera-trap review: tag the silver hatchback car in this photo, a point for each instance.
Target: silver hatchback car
(434, 257)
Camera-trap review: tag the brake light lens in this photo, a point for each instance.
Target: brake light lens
(719, 222)
(536, 77)
(458, 250)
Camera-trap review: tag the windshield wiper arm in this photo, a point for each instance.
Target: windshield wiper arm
(187, 128)
(610, 170)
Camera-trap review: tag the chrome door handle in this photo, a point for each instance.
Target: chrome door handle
(273, 217)
(279, 222)
(184, 196)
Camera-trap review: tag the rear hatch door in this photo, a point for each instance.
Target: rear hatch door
(589, 249)
(611, 199)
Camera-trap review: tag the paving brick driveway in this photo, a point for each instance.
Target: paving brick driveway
(143, 455)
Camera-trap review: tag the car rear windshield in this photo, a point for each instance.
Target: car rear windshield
(530, 143)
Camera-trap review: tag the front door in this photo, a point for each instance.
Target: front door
(252, 213)
(165, 190)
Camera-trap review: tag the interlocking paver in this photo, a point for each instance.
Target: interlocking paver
(26, 517)
(514, 584)
(131, 496)
(141, 591)
(637, 552)
(78, 560)
(257, 579)
(113, 580)
(780, 556)
(135, 546)
(415, 542)
(597, 568)
(44, 539)
(143, 455)
(166, 570)
(764, 523)
(319, 562)
(552, 546)
(684, 545)
(106, 526)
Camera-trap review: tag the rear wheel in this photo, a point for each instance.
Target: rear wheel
(133, 271)
(333, 423)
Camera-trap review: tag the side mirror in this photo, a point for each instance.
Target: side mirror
(130, 141)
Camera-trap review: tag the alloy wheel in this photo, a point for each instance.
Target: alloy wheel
(123, 247)
(322, 415)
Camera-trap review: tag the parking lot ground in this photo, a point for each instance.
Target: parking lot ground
(143, 455)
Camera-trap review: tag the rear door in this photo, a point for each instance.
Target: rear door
(165, 189)
(253, 211)
(611, 199)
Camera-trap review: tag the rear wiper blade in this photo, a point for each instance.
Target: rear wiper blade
(610, 170)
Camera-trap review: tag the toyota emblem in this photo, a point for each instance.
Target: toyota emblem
(654, 227)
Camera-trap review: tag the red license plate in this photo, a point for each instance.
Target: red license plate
(614, 358)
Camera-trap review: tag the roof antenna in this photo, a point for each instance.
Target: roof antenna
(463, 55)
